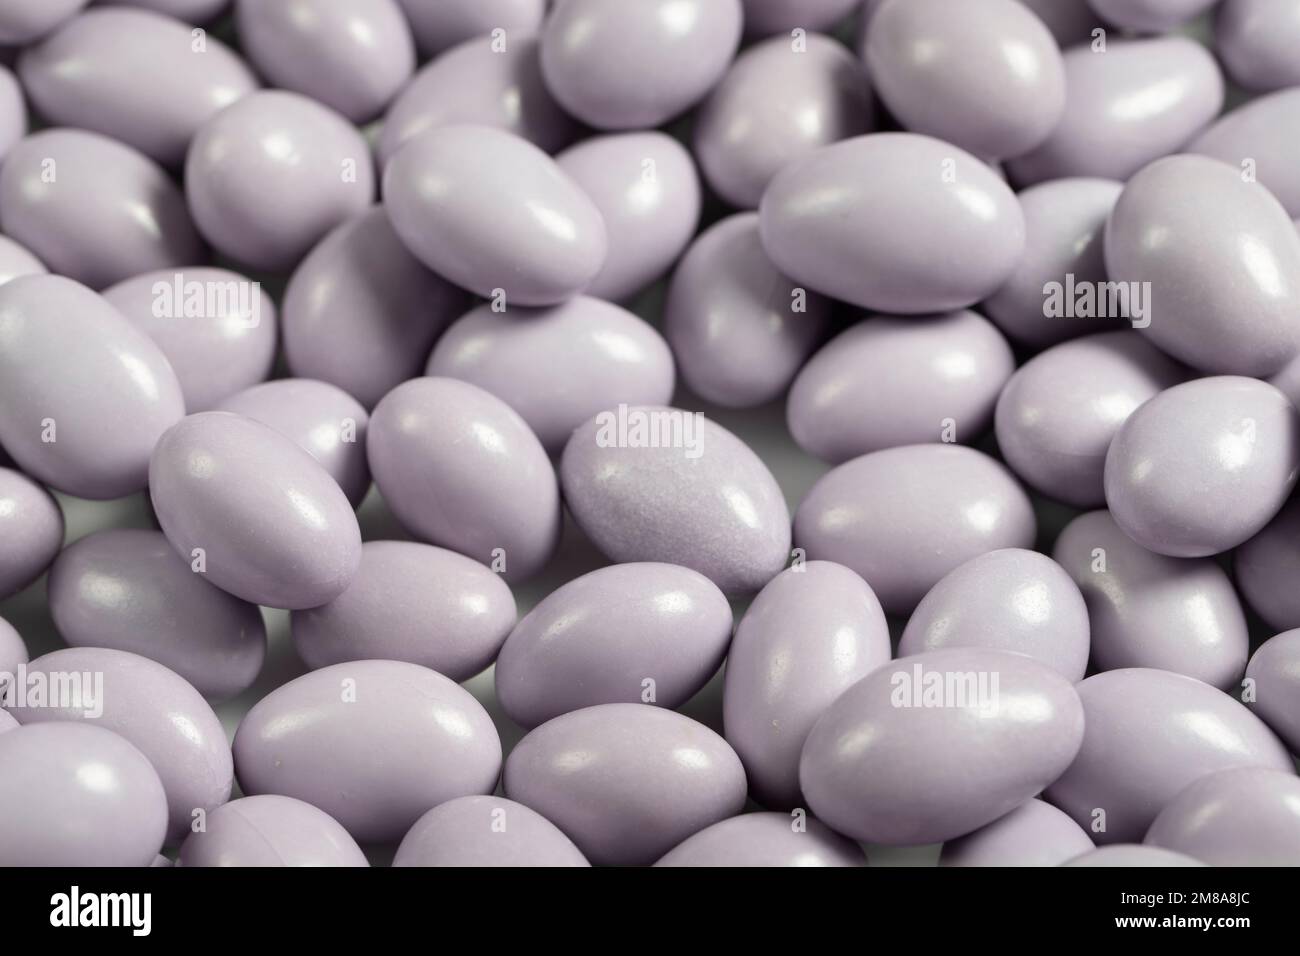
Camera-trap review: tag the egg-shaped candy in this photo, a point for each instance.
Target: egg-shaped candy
(1273, 681)
(7, 722)
(439, 24)
(270, 830)
(22, 21)
(31, 526)
(1247, 816)
(13, 652)
(1150, 16)
(1257, 40)
(1256, 138)
(13, 111)
(763, 17)
(1033, 834)
(17, 261)
(1071, 21)
(765, 839)
(486, 831)
(1268, 569)
(1131, 855)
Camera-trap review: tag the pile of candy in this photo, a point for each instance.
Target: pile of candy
(999, 301)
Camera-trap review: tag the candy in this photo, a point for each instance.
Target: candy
(1131, 854)
(270, 830)
(486, 831)
(1276, 686)
(13, 652)
(1257, 39)
(31, 527)
(1033, 834)
(191, 11)
(13, 111)
(22, 21)
(1248, 816)
(780, 16)
(1267, 567)
(1150, 15)
(1255, 138)
(439, 24)
(16, 261)
(765, 839)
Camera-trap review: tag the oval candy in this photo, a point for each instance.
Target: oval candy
(1267, 569)
(1247, 816)
(439, 24)
(1131, 854)
(15, 261)
(1033, 834)
(1256, 136)
(31, 526)
(22, 21)
(270, 830)
(765, 839)
(1275, 671)
(1257, 40)
(486, 831)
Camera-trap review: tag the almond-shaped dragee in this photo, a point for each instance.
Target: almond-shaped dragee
(17, 261)
(411, 602)
(604, 355)
(738, 328)
(270, 830)
(255, 513)
(494, 214)
(149, 705)
(93, 209)
(372, 743)
(672, 633)
(13, 652)
(126, 588)
(765, 839)
(1232, 252)
(899, 380)
(216, 327)
(1148, 734)
(494, 498)
(867, 219)
(94, 440)
(361, 312)
(1131, 855)
(1267, 569)
(1010, 600)
(1033, 834)
(486, 831)
(648, 193)
(7, 722)
(488, 81)
(763, 17)
(626, 782)
(439, 24)
(985, 75)
(663, 484)
(1058, 414)
(1127, 103)
(351, 55)
(781, 678)
(320, 418)
(75, 794)
(22, 21)
(1247, 816)
(31, 527)
(1052, 294)
(1150, 16)
(13, 111)
(1257, 40)
(1071, 21)
(138, 76)
(781, 99)
(271, 174)
(637, 65)
(1204, 465)
(1256, 137)
(903, 518)
(1149, 610)
(1272, 688)
(933, 746)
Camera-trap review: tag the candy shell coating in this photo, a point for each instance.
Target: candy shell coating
(765, 839)
(1033, 834)
(13, 652)
(1131, 854)
(17, 261)
(1275, 669)
(22, 21)
(270, 830)
(1150, 16)
(763, 17)
(1247, 816)
(1257, 40)
(486, 831)
(1267, 569)
(1260, 131)
(31, 526)
(439, 24)
(13, 111)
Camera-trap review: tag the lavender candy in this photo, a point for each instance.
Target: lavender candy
(411, 602)
(1071, 21)
(763, 17)
(673, 629)
(1275, 696)
(191, 11)
(1131, 854)
(626, 782)
(1150, 16)
(1267, 569)
(17, 261)
(486, 831)
(7, 722)
(372, 743)
(1257, 40)
(22, 21)
(31, 527)
(270, 830)
(1255, 137)
(1247, 816)
(74, 794)
(13, 652)
(13, 111)
(253, 511)
(127, 589)
(1033, 834)
(439, 24)
(765, 839)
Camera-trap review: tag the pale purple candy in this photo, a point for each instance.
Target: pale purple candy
(362, 313)
(7, 722)
(765, 839)
(604, 355)
(439, 24)
(16, 261)
(31, 527)
(75, 794)
(372, 743)
(626, 782)
(739, 329)
(1256, 137)
(479, 82)
(126, 394)
(1134, 102)
(1064, 220)
(216, 327)
(13, 111)
(894, 762)
(486, 831)
(763, 17)
(1149, 610)
(1071, 21)
(1148, 734)
(1275, 669)
(673, 629)
(22, 21)
(320, 418)
(266, 521)
(135, 75)
(93, 209)
(922, 198)
(985, 76)
(812, 632)
(127, 589)
(1010, 600)
(662, 484)
(155, 709)
(1268, 569)
(191, 11)
(1204, 465)
(1131, 855)
(1057, 415)
(13, 652)
(1033, 834)
(351, 55)
(270, 830)
(648, 193)
(495, 499)
(1248, 816)
(1150, 16)
(904, 517)
(891, 381)
(271, 174)
(1257, 41)
(411, 602)
(780, 100)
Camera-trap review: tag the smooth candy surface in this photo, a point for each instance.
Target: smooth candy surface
(31, 527)
(1248, 816)
(13, 651)
(372, 743)
(1132, 854)
(1150, 16)
(270, 830)
(1257, 40)
(781, 16)
(1259, 132)
(439, 24)
(1275, 669)
(765, 839)
(1033, 834)
(191, 11)
(22, 21)
(273, 526)
(13, 111)
(486, 831)
(1268, 569)
(17, 261)
(646, 779)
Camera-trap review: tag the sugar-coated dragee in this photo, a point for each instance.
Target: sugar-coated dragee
(1247, 816)
(1267, 569)
(765, 839)
(1033, 834)
(13, 652)
(1275, 695)
(1257, 41)
(16, 261)
(270, 830)
(1257, 136)
(13, 111)
(439, 24)
(486, 831)
(1131, 855)
(31, 527)
(22, 21)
